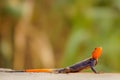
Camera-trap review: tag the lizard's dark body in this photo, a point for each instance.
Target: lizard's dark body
(89, 63)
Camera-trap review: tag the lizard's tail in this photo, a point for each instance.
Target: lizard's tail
(39, 70)
(9, 70)
(27, 70)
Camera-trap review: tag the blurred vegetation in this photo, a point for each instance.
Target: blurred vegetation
(58, 33)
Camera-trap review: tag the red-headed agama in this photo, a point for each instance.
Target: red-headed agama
(78, 67)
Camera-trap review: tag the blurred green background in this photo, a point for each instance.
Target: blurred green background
(58, 33)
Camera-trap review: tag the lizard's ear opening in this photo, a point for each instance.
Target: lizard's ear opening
(97, 53)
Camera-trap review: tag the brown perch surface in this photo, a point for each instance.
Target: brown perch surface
(52, 76)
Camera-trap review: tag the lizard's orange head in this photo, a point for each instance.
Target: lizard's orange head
(97, 53)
